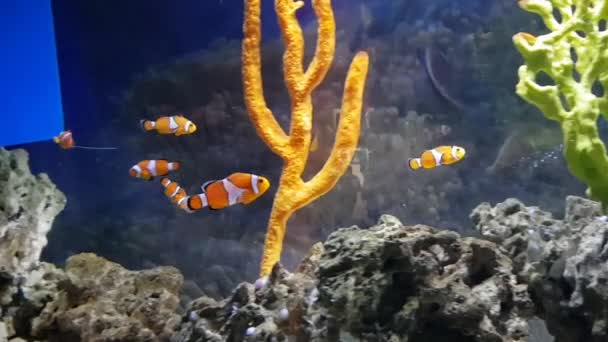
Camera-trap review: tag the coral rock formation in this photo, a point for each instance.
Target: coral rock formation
(28, 206)
(387, 283)
(94, 300)
(563, 261)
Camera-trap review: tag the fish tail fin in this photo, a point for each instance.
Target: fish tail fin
(147, 125)
(413, 163)
(174, 166)
(56, 140)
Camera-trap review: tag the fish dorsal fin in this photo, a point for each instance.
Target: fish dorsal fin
(206, 184)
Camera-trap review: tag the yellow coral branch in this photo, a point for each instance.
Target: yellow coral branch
(265, 124)
(348, 132)
(291, 32)
(326, 45)
(292, 192)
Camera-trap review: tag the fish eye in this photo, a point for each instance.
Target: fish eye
(260, 181)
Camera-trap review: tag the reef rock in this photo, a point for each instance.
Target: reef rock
(563, 261)
(387, 283)
(28, 206)
(101, 301)
(94, 300)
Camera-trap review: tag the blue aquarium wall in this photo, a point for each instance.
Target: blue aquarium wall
(30, 85)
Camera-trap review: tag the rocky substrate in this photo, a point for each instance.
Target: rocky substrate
(389, 282)
(386, 283)
(564, 262)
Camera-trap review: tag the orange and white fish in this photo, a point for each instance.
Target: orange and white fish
(442, 155)
(148, 169)
(65, 140)
(176, 124)
(172, 190)
(218, 194)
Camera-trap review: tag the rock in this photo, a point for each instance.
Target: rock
(28, 206)
(521, 230)
(563, 261)
(100, 301)
(581, 208)
(3, 332)
(418, 282)
(387, 283)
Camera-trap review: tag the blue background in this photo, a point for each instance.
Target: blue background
(30, 86)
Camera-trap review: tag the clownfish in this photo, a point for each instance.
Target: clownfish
(172, 190)
(219, 194)
(176, 124)
(442, 155)
(148, 169)
(65, 140)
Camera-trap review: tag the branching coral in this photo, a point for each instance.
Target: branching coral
(293, 193)
(575, 57)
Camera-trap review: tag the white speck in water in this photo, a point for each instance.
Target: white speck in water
(250, 331)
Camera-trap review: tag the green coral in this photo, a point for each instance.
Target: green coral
(575, 58)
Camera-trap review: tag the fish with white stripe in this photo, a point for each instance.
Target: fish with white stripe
(176, 124)
(239, 187)
(173, 191)
(148, 169)
(442, 155)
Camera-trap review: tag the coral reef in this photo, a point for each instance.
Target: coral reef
(28, 206)
(404, 115)
(563, 261)
(388, 282)
(293, 193)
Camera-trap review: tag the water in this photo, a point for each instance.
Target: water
(441, 73)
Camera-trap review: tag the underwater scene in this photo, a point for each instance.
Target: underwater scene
(314, 170)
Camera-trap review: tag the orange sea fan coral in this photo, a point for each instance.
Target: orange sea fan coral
(293, 193)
